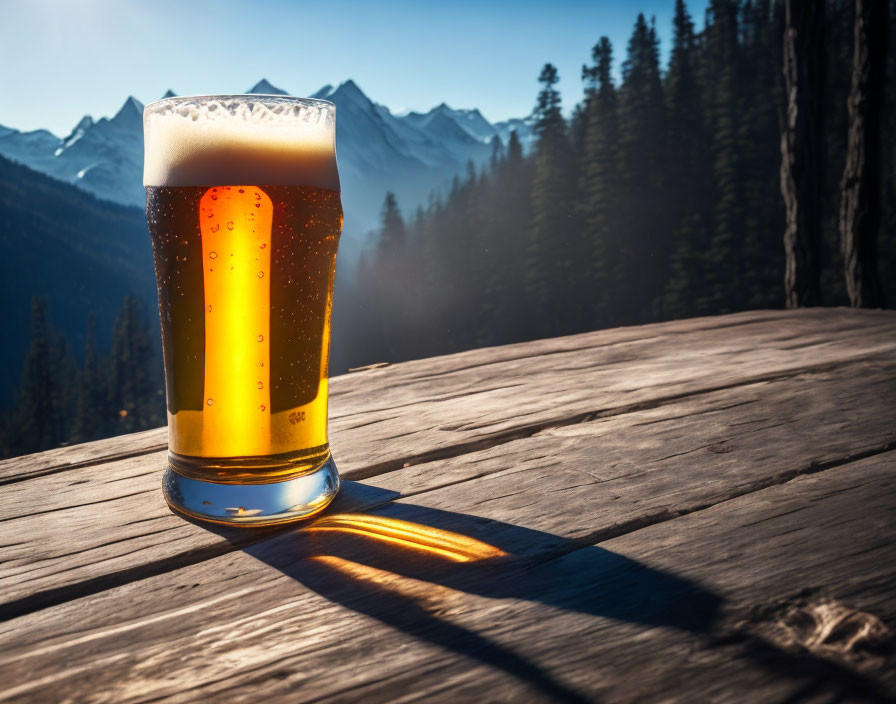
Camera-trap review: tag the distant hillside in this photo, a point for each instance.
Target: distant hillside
(81, 253)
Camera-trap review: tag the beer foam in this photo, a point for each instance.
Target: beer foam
(232, 140)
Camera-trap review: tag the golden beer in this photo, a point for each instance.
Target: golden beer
(244, 213)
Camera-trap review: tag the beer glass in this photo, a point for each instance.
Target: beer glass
(244, 212)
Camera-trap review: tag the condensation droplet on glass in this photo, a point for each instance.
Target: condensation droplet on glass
(212, 255)
(261, 338)
(258, 205)
(215, 227)
(211, 402)
(230, 225)
(258, 196)
(214, 197)
(209, 309)
(242, 191)
(260, 385)
(261, 407)
(260, 274)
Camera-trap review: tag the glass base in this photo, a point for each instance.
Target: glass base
(253, 504)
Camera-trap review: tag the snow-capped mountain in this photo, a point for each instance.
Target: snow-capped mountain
(410, 155)
(104, 157)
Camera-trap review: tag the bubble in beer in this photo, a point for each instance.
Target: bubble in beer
(260, 385)
(262, 407)
(260, 274)
(211, 402)
(262, 245)
(230, 225)
(261, 338)
(215, 227)
(212, 255)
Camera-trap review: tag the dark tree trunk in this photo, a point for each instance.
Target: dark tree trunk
(803, 149)
(860, 188)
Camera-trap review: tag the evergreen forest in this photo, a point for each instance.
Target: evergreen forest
(658, 197)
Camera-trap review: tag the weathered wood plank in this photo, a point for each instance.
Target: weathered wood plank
(665, 613)
(446, 406)
(583, 482)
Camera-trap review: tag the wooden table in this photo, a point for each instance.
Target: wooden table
(694, 511)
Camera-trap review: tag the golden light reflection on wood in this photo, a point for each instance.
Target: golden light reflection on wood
(440, 543)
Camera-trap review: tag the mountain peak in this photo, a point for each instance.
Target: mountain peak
(131, 111)
(350, 87)
(322, 93)
(265, 87)
(81, 128)
(350, 90)
(168, 94)
(131, 103)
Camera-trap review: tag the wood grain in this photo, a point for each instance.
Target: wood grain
(671, 612)
(586, 481)
(688, 511)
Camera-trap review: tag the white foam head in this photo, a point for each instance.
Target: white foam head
(232, 140)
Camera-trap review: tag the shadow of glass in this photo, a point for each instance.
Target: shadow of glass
(350, 556)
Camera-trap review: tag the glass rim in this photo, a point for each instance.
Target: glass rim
(267, 98)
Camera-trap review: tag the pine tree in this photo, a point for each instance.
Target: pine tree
(599, 183)
(687, 184)
(391, 280)
(644, 243)
(91, 412)
(549, 264)
(133, 379)
(497, 153)
(720, 62)
(41, 418)
(392, 229)
(513, 209)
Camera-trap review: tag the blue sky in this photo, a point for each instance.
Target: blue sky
(66, 58)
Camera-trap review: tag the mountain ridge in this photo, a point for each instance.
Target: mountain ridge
(411, 155)
(82, 254)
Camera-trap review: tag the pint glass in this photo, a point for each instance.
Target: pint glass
(243, 207)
